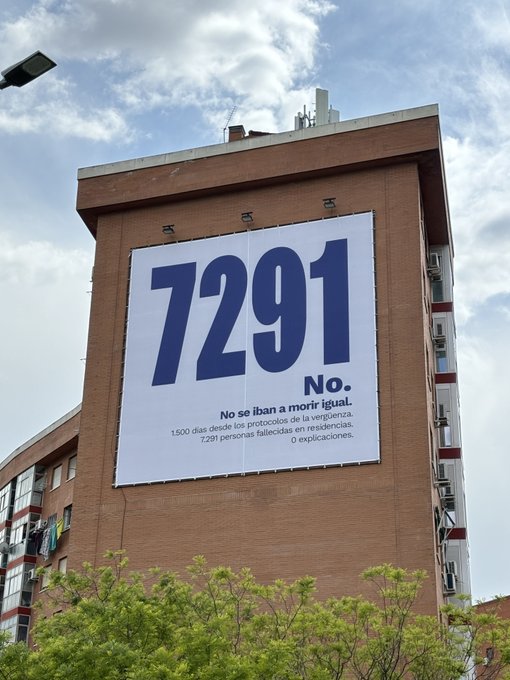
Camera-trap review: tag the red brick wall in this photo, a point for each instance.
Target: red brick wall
(54, 502)
(330, 523)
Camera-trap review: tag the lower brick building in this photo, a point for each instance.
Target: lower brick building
(317, 432)
(36, 504)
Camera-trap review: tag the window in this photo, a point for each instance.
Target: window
(6, 501)
(19, 531)
(62, 565)
(4, 497)
(437, 291)
(437, 278)
(22, 635)
(445, 432)
(57, 476)
(71, 467)
(9, 625)
(46, 577)
(12, 588)
(24, 488)
(441, 359)
(440, 349)
(68, 511)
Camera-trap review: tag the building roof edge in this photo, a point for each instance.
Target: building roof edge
(40, 435)
(260, 142)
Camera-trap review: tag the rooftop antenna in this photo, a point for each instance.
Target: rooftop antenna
(234, 109)
(324, 113)
(303, 119)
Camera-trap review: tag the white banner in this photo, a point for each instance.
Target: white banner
(251, 352)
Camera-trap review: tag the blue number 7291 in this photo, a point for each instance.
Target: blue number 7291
(278, 296)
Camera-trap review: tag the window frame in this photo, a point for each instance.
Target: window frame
(54, 477)
(45, 576)
(71, 467)
(67, 516)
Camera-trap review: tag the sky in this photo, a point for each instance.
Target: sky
(141, 78)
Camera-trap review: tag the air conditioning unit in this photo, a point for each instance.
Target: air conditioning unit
(449, 583)
(439, 340)
(447, 497)
(434, 266)
(441, 421)
(40, 524)
(442, 478)
(434, 261)
(447, 490)
(32, 576)
(451, 567)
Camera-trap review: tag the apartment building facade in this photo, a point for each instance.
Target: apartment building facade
(334, 242)
(36, 503)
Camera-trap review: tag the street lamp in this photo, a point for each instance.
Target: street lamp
(26, 70)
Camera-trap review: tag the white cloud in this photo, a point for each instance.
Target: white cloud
(494, 24)
(478, 166)
(38, 263)
(477, 153)
(44, 311)
(55, 110)
(101, 125)
(484, 375)
(478, 176)
(232, 54)
(209, 55)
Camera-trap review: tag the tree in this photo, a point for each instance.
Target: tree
(223, 625)
(13, 659)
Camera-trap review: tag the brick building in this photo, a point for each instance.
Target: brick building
(403, 503)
